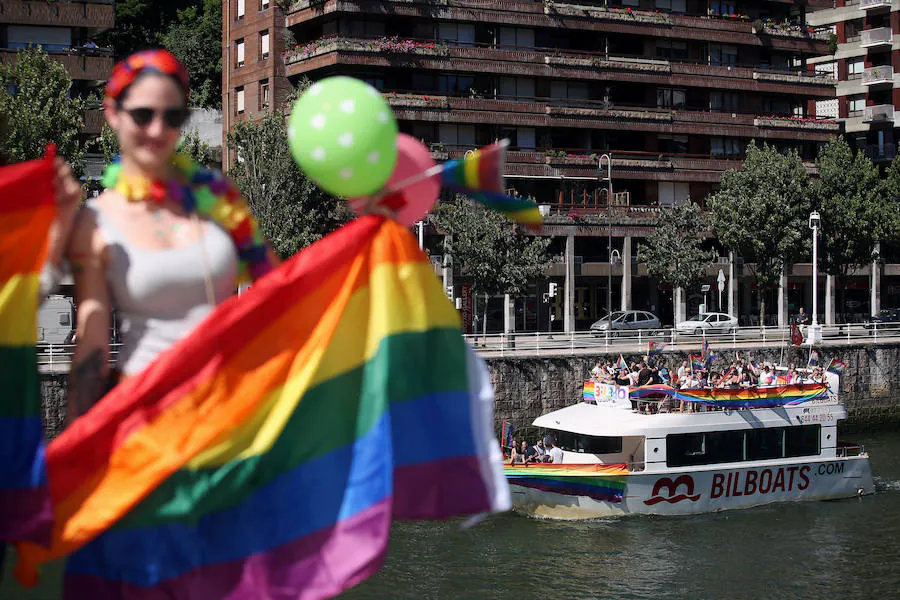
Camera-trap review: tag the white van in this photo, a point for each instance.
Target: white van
(56, 320)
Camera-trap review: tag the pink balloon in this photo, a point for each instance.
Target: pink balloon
(413, 201)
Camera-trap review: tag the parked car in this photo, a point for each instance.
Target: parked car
(626, 320)
(708, 323)
(886, 316)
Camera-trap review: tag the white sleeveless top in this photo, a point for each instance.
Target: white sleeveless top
(160, 295)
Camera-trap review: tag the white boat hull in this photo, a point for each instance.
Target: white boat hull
(704, 489)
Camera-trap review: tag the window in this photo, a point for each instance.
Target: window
(516, 87)
(49, 38)
(722, 8)
(359, 28)
(727, 146)
(853, 29)
(457, 34)
(709, 448)
(516, 37)
(587, 444)
(264, 93)
(856, 104)
(855, 69)
(64, 320)
(570, 90)
(673, 144)
(671, 49)
(455, 84)
(457, 136)
(241, 9)
(263, 4)
(264, 44)
(722, 54)
(670, 98)
(724, 101)
(239, 99)
(673, 5)
(377, 82)
(240, 52)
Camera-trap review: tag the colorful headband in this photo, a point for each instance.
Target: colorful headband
(159, 61)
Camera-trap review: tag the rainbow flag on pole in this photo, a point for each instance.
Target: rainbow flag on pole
(836, 367)
(266, 454)
(813, 358)
(479, 174)
(27, 207)
(621, 364)
(655, 348)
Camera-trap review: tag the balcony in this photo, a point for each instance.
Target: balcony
(880, 36)
(91, 14)
(92, 67)
(880, 113)
(874, 4)
(878, 75)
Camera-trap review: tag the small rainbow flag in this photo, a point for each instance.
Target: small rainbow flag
(655, 348)
(836, 367)
(588, 392)
(704, 350)
(27, 207)
(621, 364)
(266, 454)
(506, 433)
(710, 358)
(479, 174)
(813, 358)
(697, 362)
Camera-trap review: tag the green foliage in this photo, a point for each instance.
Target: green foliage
(196, 39)
(674, 253)
(108, 143)
(141, 23)
(293, 212)
(189, 144)
(851, 198)
(488, 248)
(38, 109)
(761, 212)
(890, 229)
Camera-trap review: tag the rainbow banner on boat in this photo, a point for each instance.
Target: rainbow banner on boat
(588, 392)
(755, 397)
(601, 482)
(27, 208)
(479, 174)
(266, 454)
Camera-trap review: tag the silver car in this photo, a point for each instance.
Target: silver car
(626, 320)
(708, 323)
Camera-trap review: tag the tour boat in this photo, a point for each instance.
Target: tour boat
(659, 450)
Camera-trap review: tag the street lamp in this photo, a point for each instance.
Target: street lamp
(609, 203)
(815, 221)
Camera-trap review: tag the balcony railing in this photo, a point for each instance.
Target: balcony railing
(880, 36)
(874, 4)
(878, 75)
(879, 113)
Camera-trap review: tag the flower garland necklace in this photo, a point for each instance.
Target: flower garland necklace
(208, 193)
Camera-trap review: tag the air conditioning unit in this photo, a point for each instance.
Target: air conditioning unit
(544, 209)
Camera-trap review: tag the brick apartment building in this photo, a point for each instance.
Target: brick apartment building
(673, 90)
(63, 29)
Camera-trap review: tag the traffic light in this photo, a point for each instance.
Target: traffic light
(553, 287)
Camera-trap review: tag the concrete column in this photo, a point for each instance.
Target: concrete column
(626, 273)
(782, 299)
(679, 305)
(509, 314)
(875, 285)
(829, 300)
(732, 287)
(569, 304)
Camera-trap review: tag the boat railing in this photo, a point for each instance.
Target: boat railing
(845, 450)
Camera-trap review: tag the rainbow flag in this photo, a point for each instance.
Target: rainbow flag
(479, 174)
(267, 453)
(697, 362)
(606, 483)
(27, 207)
(704, 349)
(755, 397)
(813, 358)
(709, 360)
(836, 367)
(621, 364)
(506, 433)
(588, 393)
(655, 348)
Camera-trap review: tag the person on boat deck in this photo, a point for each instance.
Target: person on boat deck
(682, 370)
(622, 378)
(554, 452)
(597, 371)
(767, 377)
(517, 456)
(538, 452)
(645, 375)
(663, 375)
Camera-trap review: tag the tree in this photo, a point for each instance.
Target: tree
(489, 249)
(293, 212)
(761, 212)
(196, 39)
(852, 200)
(141, 23)
(190, 144)
(890, 228)
(35, 97)
(674, 252)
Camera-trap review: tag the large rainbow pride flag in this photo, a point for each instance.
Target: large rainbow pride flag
(754, 397)
(600, 482)
(266, 455)
(27, 207)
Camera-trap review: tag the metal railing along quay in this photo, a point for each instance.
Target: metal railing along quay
(586, 342)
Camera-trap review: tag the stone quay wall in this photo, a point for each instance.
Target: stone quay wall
(526, 388)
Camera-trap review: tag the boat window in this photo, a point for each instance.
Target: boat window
(587, 444)
(689, 449)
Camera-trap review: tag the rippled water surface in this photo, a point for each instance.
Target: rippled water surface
(847, 549)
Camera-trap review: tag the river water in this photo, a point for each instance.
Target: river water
(847, 549)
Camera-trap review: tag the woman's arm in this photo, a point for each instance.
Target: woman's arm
(90, 365)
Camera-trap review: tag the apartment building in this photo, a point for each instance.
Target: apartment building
(671, 90)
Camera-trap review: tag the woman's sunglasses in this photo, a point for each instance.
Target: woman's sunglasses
(172, 117)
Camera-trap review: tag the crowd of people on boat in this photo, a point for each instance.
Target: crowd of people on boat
(545, 450)
(742, 373)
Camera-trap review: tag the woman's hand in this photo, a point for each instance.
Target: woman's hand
(69, 195)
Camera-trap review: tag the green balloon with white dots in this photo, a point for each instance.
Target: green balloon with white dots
(343, 135)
